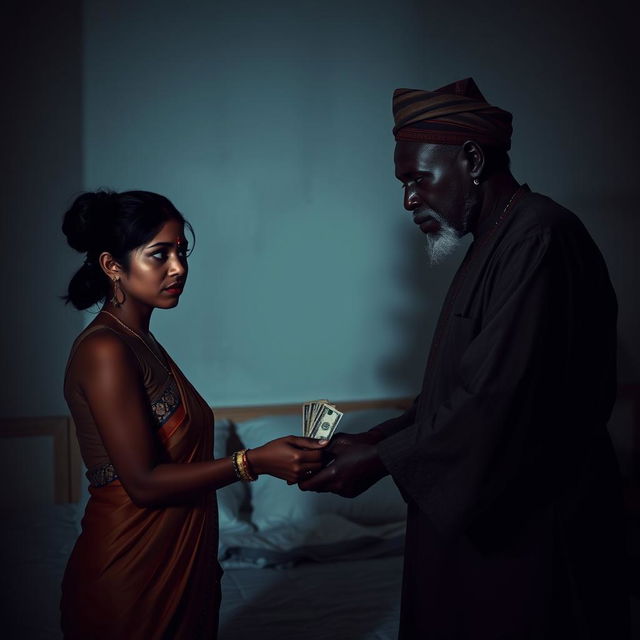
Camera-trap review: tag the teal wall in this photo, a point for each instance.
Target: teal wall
(270, 129)
(269, 126)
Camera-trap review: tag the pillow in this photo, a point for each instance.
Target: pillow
(275, 503)
(233, 497)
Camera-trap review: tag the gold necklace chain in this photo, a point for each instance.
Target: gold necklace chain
(144, 342)
(505, 211)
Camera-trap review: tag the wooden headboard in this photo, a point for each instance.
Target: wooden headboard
(238, 414)
(56, 434)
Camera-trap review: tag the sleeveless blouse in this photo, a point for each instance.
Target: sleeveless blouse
(160, 387)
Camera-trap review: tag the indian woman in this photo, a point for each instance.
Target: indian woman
(145, 564)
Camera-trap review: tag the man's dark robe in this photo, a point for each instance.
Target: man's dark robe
(514, 505)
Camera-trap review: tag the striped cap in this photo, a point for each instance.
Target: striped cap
(450, 115)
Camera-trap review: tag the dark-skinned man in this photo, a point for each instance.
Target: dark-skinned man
(514, 527)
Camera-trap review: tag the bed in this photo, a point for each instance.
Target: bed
(296, 565)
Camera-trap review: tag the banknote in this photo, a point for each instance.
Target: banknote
(309, 413)
(320, 419)
(325, 424)
(306, 410)
(317, 407)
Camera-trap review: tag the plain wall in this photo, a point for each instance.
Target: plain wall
(269, 126)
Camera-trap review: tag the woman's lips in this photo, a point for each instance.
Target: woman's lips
(174, 291)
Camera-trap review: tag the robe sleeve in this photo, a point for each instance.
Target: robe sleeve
(459, 463)
(389, 427)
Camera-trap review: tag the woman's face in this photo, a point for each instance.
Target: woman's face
(158, 269)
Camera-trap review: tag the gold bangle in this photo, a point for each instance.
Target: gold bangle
(242, 463)
(237, 466)
(234, 461)
(241, 469)
(241, 466)
(246, 468)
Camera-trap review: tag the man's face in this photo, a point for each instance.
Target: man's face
(434, 191)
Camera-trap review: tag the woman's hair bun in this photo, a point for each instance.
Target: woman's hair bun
(82, 222)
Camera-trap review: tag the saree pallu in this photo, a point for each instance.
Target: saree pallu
(149, 573)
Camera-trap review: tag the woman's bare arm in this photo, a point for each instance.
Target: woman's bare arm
(110, 378)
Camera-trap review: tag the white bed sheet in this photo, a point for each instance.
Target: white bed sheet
(349, 600)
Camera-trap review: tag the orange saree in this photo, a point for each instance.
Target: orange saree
(149, 573)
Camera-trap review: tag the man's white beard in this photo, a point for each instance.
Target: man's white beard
(442, 244)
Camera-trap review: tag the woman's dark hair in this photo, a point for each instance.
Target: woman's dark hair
(114, 222)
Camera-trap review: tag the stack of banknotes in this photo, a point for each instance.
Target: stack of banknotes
(319, 419)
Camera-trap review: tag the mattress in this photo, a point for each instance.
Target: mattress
(348, 600)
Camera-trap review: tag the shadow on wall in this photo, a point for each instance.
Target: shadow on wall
(422, 288)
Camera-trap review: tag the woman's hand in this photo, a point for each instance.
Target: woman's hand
(291, 458)
(355, 466)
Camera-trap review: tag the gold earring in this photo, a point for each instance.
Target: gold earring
(117, 289)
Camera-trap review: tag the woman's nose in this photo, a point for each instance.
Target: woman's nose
(177, 266)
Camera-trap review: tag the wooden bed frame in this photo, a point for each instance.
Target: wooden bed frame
(57, 428)
(67, 462)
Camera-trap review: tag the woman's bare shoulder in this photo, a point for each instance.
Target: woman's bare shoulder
(101, 347)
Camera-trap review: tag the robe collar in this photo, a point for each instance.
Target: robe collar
(495, 218)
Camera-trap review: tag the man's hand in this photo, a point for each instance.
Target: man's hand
(353, 466)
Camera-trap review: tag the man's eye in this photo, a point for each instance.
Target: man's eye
(416, 180)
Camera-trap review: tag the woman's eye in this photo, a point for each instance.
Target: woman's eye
(159, 255)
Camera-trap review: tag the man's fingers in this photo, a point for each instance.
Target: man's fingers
(340, 440)
(320, 482)
(306, 443)
(310, 456)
